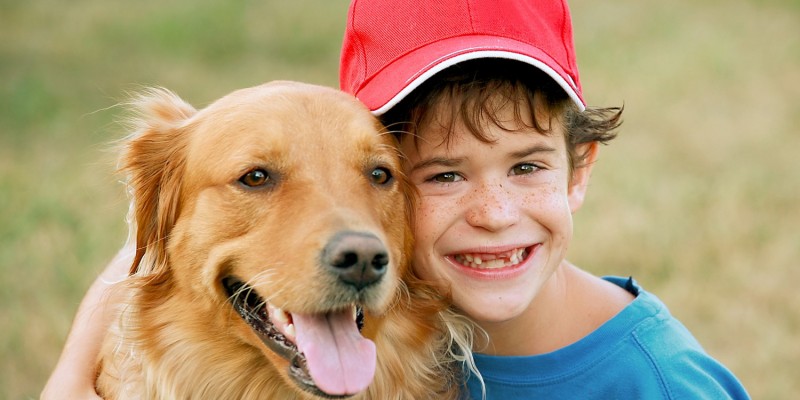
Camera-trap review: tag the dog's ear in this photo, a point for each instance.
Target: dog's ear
(153, 159)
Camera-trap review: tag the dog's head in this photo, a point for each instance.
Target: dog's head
(284, 203)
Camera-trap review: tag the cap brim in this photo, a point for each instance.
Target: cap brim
(407, 72)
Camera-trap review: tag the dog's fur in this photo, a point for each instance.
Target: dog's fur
(323, 160)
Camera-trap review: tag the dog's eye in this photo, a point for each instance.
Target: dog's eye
(255, 178)
(380, 176)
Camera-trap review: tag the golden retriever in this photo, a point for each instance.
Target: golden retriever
(271, 232)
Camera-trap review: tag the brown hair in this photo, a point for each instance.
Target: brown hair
(477, 90)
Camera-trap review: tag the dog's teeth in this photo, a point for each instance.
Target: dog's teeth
(278, 315)
(290, 332)
(281, 316)
(354, 312)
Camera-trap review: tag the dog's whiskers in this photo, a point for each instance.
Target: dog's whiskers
(263, 278)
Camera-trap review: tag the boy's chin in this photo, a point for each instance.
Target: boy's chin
(487, 309)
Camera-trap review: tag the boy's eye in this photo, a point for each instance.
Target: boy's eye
(446, 177)
(523, 169)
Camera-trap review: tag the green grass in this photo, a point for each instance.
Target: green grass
(697, 198)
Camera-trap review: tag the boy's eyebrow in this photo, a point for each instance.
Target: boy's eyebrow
(537, 148)
(437, 161)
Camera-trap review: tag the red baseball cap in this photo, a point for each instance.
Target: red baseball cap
(390, 47)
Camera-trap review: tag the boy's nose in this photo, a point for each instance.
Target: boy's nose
(492, 208)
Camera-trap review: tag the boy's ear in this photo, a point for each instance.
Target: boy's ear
(576, 191)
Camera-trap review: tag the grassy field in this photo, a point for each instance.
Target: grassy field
(697, 198)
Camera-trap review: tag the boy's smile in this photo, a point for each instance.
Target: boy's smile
(489, 265)
(492, 261)
(493, 220)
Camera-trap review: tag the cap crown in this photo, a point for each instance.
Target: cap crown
(391, 46)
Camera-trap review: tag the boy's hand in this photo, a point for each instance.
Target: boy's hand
(74, 375)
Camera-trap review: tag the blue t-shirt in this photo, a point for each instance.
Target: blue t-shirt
(641, 353)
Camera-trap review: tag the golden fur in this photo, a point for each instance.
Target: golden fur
(177, 335)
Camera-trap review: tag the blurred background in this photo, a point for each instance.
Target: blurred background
(697, 198)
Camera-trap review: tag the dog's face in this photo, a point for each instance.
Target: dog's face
(282, 203)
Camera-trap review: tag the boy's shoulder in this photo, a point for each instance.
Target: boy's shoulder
(672, 355)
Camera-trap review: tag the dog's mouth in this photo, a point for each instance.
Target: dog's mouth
(327, 354)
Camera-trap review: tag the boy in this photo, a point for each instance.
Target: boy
(485, 100)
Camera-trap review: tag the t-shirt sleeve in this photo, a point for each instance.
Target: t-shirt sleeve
(681, 365)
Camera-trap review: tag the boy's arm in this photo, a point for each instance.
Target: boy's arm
(74, 375)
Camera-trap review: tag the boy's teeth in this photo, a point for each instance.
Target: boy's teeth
(492, 261)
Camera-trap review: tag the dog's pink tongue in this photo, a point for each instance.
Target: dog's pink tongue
(339, 359)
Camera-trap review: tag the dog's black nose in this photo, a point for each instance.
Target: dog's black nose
(357, 258)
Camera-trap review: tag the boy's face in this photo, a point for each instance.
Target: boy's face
(493, 220)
